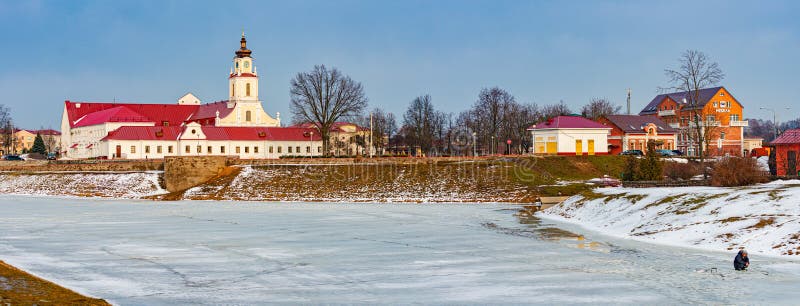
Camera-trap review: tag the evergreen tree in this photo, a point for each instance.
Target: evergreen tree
(651, 168)
(631, 170)
(38, 145)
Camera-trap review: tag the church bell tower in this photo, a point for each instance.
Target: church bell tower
(243, 79)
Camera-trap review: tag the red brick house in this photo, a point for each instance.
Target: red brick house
(787, 147)
(632, 132)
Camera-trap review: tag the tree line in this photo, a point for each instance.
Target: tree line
(496, 122)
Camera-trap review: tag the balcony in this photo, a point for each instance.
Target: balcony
(739, 123)
(705, 123)
(675, 125)
(669, 112)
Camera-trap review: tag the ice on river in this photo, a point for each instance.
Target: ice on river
(142, 252)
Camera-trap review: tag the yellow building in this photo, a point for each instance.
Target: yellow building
(23, 140)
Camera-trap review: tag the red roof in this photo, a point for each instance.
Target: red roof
(174, 114)
(74, 145)
(213, 133)
(244, 75)
(144, 133)
(114, 114)
(209, 110)
(788, 137)
(568, 122)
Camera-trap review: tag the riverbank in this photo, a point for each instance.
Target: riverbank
(18, 287)
(764, 219)
(416, 180)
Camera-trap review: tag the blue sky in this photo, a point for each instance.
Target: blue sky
(540, 51)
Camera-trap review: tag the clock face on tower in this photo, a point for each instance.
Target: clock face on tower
(246, 65)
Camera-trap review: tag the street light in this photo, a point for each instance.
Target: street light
(774, 119)
(474, 145)
(533, 140)
(491, 146)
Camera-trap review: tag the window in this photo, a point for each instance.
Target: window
(165, 123)
(169, 149)
(298, 149)
(710, 118)
(133, 149)
(734, 117)
(233, 89)
(188, 150)
(246, 149)
(158, 149)
(319, 149)
(270, 149)
(722, 135)
(222, 149)
(247, 90)
(147, 149)
(715, 104)
(247, 116)
(255, 149)
(290, 150)
(279, 149)
(308, 149)
(209, 150)
(723, 104)
(238, 150)
(199, 149)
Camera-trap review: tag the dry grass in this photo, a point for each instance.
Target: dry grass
(20, 288)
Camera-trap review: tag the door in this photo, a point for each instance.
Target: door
(578, 147)
(591, 147)
(552, 147)
(792, 156)
(119, 152)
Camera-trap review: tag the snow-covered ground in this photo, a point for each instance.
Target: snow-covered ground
(151, 253)
(764, 219)
(126, 185)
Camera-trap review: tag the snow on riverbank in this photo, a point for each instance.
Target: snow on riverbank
(127, 185)
(764, 219)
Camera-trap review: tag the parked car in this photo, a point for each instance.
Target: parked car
(12, 157)
(632, 152)
(605, 181)
(678, 152)
(51, 156)
(665, 153)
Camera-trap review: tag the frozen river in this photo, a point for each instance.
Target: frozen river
(146, 253)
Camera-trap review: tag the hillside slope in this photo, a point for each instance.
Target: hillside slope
(763, 218)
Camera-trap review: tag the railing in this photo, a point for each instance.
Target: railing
(669, 112)
(675, 125)
(646, 184)
(740, 123)
(705, 123)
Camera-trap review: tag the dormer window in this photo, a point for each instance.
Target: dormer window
(165, 123)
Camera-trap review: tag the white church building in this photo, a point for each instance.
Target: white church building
(238, 126)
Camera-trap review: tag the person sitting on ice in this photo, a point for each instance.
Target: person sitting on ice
(741, 262)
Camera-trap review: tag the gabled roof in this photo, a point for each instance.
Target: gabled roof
(567, 122)
(209, 111)
(213, 133)
(114, 114)
(636, 124)
(788, 137)
(158, 113)
(144, 133)
(705, 95)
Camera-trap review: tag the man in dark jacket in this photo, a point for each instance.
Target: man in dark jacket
(741, 262)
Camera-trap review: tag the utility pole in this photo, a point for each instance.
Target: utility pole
(629, 101)
(370, 135)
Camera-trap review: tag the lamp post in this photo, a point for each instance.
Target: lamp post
(533, 140)
(474, 145)
(311, 145)
(774, 119)
(491, 146)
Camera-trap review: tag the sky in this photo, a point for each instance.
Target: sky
(540, 51)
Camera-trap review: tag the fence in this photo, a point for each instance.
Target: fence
(645, 184)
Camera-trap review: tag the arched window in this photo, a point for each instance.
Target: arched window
(247, 115)
(233, 90)
(247, 90)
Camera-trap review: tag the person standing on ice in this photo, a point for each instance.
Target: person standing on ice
(741, 262)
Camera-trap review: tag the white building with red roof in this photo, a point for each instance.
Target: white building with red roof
(569, 135)
(238, 126)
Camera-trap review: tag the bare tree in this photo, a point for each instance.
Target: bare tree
(7, 129)
(322, 96)
(518, 118)
(599, 107)
(384, 126)
(555, 110)
(696, 72)
(421, 123)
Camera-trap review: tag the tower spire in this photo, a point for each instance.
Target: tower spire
(243, 51)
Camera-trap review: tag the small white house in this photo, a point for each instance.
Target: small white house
(569, 135)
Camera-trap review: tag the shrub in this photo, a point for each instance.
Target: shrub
(651, 167)
(630, 171)
(679, 171)
(736, 171)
